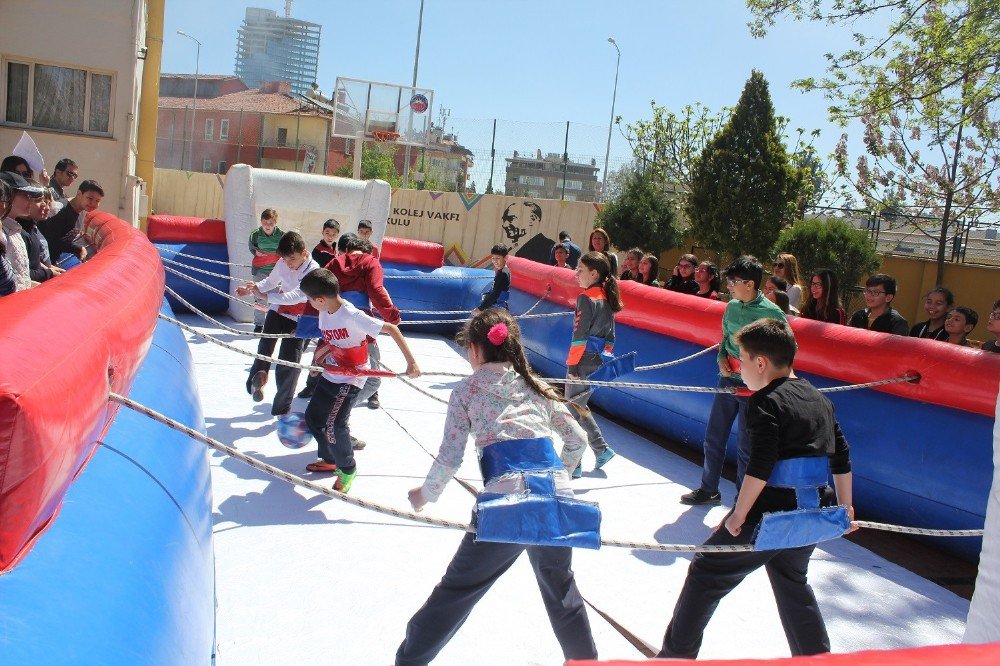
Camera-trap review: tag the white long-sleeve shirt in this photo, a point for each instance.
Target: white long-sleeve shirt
(17, 253)
(282, 286)
(495, 404)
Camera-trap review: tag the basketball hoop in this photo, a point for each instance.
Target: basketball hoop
(384, 136)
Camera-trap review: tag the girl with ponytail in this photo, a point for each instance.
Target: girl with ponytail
(593, 335)
(511, 416)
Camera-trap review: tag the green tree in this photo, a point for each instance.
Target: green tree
(923, 82)
(641, 216)
(744, 186)
(376, 163)
(829, 243)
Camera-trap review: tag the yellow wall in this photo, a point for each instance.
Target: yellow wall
(188, 193)
(312, 131)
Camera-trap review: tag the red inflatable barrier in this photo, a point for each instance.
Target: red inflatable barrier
(409, 251)
(67, 344)
(950, 375)
(180, 229)
(966, 655)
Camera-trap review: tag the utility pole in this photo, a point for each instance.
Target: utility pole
(611, 123)
(416, 62)
(194, 102)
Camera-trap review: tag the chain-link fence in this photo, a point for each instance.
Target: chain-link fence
(892, 232)
(556, 160)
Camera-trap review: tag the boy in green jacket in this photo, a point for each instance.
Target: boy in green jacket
(748, 304)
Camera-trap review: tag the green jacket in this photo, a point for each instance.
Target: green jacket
(738, 314)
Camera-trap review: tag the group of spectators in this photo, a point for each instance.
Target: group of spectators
(42, 225)
(816, 297)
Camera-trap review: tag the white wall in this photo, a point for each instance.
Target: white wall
(102, 35)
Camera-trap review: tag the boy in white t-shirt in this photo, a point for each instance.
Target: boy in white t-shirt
(346, 333)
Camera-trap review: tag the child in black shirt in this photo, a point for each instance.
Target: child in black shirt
(786, 418)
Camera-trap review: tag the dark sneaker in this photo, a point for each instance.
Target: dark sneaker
(258, 329)
(256, 386)
(357, 444)
(699, 497)
(373, 402)
(307, 392)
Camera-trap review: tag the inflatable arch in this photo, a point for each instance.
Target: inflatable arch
(304, 201)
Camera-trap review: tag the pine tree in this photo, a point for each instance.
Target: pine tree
(744, 187)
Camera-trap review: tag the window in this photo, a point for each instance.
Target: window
(224, 129)
(206, 165)
(531, 180)
(209, 129)
(59, 98)
(570, 184)
(222, 168)
(282, 136)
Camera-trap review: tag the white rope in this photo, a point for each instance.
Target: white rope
(208, 286)
(660, 366)
(211, 261)
(428, 520)
(218, 323)
(438, 277)
(199, 270)
(462, 321)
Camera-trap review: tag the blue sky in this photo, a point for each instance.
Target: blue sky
(540, 61)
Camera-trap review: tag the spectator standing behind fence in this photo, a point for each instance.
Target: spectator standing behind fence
(63, 175)
(23, 193)
(682, 280)
(786, 266)
(7, 284)
(649, 270)
(822, 301)
(959, 323)
(19, 165)
(572, 249)
(775, 291)
(40, 266)
(263, 245)
(937, 303)
(632, 259)
(706, 275)
(63, 231)
(560, 256)
(747, 305)
(878, 314)
(993, 326)
(600, 241)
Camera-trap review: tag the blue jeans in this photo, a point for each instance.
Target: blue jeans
(725, 409)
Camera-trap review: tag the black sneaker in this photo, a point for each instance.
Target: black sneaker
(373, 402)
(256, 387)
(307, 392)
(258, 329)
(699, 497)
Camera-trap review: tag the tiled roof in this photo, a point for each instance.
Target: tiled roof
(252, 100)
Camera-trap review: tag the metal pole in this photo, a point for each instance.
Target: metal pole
(493, 154)
(298, 121)
(565, 159)
(416, 62)
(194, 103)
(239, 138)
(184, 130)
(611, 123)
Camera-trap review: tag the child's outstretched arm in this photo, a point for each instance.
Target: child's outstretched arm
(449, 458)
(411, 363)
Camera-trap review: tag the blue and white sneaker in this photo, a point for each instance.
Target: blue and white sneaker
(604, 458)
(578, 472)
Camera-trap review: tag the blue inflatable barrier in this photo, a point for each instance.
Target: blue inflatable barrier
(454, 288)
(125, 574)
(197, 295)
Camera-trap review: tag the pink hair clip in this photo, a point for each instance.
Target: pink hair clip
(497, 334)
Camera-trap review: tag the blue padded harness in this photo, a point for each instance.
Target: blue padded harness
(809, 523)
(537, 516)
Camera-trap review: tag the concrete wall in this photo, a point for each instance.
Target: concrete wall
(98, 35)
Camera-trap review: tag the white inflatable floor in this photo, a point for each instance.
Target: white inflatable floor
(306, 579)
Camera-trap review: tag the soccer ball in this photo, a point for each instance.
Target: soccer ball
(292, 430)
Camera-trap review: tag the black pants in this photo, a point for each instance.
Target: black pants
(290, 350)
(327, 417)
(712, 576)
(473, 570)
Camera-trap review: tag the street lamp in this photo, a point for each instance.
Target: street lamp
(194, 103)
(611, 123)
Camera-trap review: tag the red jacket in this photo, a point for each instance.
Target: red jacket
(357, 271)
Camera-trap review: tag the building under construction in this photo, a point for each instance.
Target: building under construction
(277, 48)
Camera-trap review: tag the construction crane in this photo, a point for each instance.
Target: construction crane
(288, 8)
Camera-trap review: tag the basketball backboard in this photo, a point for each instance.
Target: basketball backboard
(370, 106)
